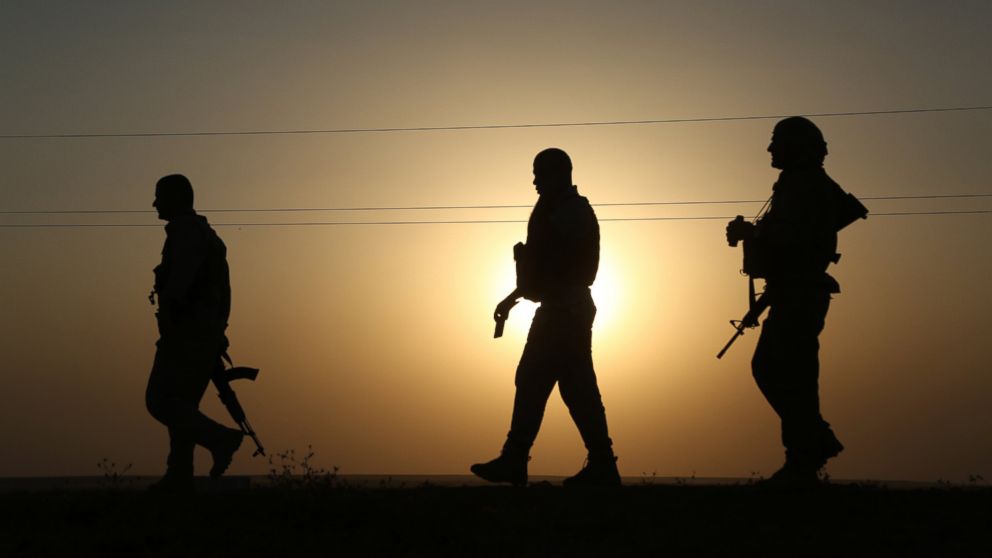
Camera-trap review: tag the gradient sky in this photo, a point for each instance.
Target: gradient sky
(375, 342)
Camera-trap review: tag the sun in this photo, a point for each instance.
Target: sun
(606, 294)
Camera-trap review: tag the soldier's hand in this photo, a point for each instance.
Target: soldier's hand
(738, 230)
(503, 308)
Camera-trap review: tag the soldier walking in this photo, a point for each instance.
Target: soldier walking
(556, 267)
(791, 247)
(194, 300)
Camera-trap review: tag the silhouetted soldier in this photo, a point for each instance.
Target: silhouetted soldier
(556, 267)
(194, 301)
(791, 247)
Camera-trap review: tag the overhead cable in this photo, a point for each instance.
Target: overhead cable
(455, 128)
(451, 222)
(453, 207)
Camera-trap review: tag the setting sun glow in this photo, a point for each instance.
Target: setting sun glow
(369, 166)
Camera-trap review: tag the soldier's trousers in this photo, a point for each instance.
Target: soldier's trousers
(559, 350)
(786, 368)
(179, 378)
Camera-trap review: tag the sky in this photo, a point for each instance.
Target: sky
(375, 341)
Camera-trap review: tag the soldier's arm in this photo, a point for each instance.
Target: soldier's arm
(187, 251)
(504, 306)
(577, 232)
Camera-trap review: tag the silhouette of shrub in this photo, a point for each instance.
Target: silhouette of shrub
(287, 471)
(113, 479)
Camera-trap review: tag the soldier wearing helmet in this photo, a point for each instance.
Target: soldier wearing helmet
(791, 247)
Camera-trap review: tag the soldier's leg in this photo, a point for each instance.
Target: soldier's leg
(769, 363)
(163, 390)
(581, 395)
(180, 459)
(534, 382)
(806, 434)
(580, 390)
(177, 383)
(786, 368)
(535, 379)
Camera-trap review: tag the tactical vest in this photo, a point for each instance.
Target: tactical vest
(206, 306)
(797, 239)
(561, 256)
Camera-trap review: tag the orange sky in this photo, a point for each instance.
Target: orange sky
(375, 341)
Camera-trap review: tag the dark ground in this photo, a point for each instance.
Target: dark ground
(541, 520)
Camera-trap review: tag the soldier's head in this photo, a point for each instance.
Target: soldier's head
(797, 143)
(552, 171)
(173, 194)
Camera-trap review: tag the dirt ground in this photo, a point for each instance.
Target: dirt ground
(540, 520)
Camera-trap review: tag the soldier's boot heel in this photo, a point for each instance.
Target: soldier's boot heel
(600, 471)
(223, 452)
(505, 468)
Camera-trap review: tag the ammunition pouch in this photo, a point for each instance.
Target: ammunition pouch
(756, 260)
(847, 209)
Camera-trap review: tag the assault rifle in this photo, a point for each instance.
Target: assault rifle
(222, 378)
(848, 210)
(756, 306)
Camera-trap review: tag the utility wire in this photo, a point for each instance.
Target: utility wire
(95, 135)
(450, 207)
(452, 222)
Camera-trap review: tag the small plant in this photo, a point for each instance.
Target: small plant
(112, 478)
(755, 478)
(869, 484)
(976, 480)
(649, 480)
(679, 481)
(287, 471)
(389, 483)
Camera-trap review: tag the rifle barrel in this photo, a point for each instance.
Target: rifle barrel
(249, 431)
(738, 333)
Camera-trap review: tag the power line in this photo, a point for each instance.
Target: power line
(451, 222)
(97, 135)
(904, 213)
(453, 207)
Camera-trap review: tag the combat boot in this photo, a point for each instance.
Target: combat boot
(505, 468)
(223, 452)
(599, 471)
(830, 447)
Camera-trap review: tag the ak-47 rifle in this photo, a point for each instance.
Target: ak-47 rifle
(222, 378)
